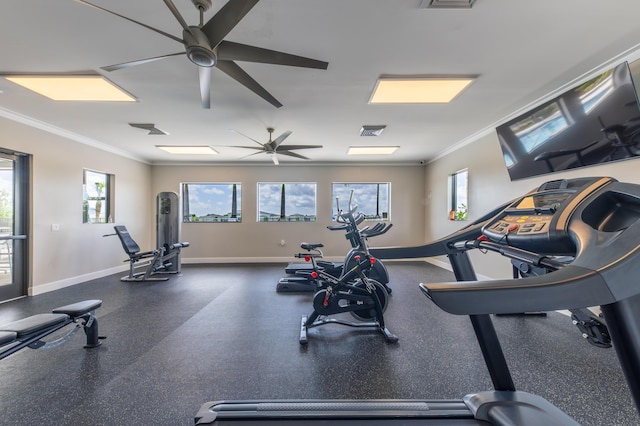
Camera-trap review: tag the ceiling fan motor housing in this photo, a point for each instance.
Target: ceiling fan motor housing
(203, 5)
(198, 49)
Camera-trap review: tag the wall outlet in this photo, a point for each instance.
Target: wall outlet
(55, 227)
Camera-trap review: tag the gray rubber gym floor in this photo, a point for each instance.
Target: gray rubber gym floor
(222, 332)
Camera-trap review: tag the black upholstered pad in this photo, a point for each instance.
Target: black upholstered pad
(128, 244)
(76, 309)
(7, 337)
(34, 324)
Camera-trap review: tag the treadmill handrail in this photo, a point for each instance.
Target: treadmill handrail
(442, 246)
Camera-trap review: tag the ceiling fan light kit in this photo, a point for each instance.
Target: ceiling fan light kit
(205, 46)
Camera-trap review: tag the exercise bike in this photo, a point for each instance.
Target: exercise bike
(354, 292)
(299, 279)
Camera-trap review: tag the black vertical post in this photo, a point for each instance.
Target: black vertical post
(282, 212)
(234, 202)
(484, 329)
(623, 319)
(186, 216)
(378, 202)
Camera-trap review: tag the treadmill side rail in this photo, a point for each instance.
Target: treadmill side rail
(328, 409)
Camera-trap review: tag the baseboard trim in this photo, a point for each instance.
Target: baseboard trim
(68, 282)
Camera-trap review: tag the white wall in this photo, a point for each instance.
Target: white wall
(256, 241)
(77, 251)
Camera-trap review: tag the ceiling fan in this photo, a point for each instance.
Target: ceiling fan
(205, 46)
(274, 147)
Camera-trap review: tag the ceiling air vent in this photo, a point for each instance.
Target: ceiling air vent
(447, 4)
(372, 130)
(153, 130)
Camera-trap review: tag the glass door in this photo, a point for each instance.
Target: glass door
(14, 175)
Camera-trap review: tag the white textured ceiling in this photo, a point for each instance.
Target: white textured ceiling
(520, 50)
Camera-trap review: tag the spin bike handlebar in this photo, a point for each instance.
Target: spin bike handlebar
(378, 229)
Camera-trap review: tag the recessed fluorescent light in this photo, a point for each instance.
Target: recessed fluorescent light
(371, 150)
(73, 87)
(193, 150)
(418, 90)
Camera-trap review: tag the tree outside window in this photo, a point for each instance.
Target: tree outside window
(96, 194)
(211, 202)
(287, 202)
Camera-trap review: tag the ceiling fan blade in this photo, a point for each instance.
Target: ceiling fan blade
(176, 13)
(247, 147)
(234, 71)
(179, 40)
(226, 19)
(281, 138)
(261, 144)
(292, 154)
(231, 51)
(205, 86)
(274, 157)
(138, 62)
(292, 147)
(250, 155)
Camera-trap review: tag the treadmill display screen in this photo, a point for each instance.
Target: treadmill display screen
(541, 201)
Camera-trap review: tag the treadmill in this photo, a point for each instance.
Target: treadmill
(595, 220)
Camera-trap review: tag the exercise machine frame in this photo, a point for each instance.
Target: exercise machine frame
(353, 292)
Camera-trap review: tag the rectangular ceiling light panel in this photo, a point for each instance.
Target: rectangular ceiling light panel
(189, 150)
(371, 150)
(94, 88)
(418, 90)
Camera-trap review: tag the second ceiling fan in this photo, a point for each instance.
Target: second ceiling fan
(275, 147)
(205, 46)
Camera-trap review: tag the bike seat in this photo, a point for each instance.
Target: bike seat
(310, 247)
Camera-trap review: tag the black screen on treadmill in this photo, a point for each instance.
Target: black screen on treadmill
(540, 201)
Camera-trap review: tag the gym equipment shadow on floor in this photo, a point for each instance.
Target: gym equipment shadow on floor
(222, 332)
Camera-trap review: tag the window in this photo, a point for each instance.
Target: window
(538, 128)
(211, 202)
(458, 191)
(286, 202)
(97, 193)
(372, 199)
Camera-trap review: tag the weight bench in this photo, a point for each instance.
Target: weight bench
(30, 331)
(155, 261)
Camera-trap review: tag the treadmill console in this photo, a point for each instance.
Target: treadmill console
(538, 221)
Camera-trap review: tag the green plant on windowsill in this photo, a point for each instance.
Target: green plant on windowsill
(461, 213)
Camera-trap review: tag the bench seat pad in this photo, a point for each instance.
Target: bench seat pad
(75, 310)
(34, 324)
(7, 337)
